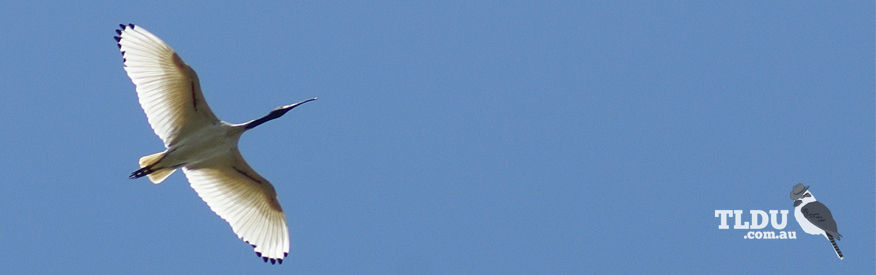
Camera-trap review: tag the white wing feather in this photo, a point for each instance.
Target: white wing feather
(167, 88)
(244, 199)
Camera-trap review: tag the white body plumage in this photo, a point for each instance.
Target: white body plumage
(807, 226)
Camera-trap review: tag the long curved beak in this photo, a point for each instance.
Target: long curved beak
(280, 111)
(293, 105)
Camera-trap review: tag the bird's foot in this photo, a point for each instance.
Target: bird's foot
(141, 172)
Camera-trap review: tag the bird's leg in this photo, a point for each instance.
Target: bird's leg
(141, 172)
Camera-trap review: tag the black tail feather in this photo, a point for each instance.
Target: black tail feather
(835, 247)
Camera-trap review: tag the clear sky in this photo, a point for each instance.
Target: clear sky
(492, 137)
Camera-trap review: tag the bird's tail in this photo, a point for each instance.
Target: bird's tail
(148, 168)
(835, 247)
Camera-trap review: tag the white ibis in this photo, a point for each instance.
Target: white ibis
(201, 144)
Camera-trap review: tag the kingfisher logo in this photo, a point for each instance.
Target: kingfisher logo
(812, 216)
(755, 222)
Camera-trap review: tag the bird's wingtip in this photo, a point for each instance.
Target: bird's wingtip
(126, 26)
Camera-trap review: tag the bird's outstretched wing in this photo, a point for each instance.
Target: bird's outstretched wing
(818, 214)
(168, 89)
(244, 199)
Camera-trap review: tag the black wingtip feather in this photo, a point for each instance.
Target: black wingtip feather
(131, 25)
(285, 254)
(117, 38)
(273, 261)
(119, 32)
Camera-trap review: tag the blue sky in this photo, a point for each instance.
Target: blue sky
(456, 137)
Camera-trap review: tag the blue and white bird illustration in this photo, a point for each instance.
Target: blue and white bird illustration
(814, 217)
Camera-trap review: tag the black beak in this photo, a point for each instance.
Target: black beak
(280, 111)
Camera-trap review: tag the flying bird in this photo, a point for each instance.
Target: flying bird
(814, 217)
(204, 147)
